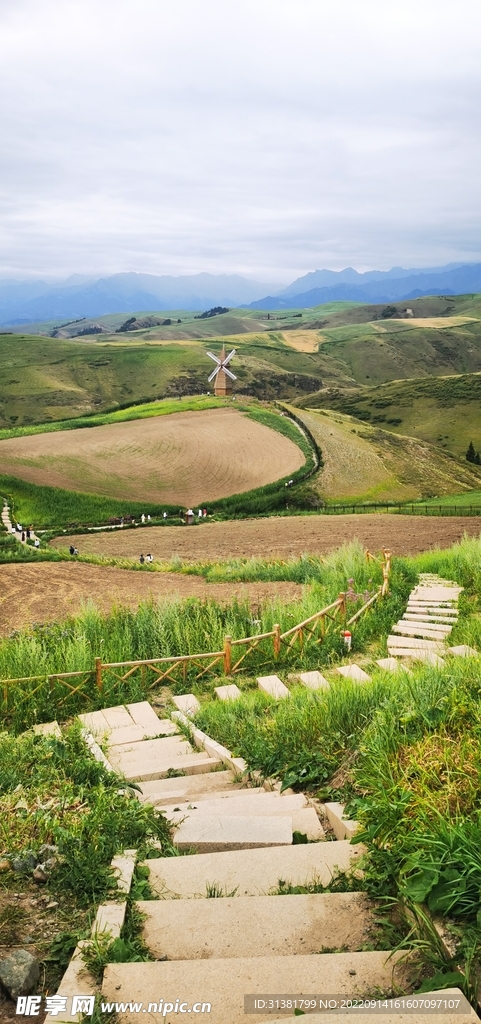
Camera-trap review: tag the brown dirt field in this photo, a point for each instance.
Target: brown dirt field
(285, 536)
(44, 592)
(185, 458)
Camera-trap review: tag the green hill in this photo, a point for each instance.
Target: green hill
(367, 463)
(445, 411)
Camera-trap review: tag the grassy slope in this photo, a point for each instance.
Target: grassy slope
(372, 464)
(445, 411)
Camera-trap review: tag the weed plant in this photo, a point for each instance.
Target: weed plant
(55, 792)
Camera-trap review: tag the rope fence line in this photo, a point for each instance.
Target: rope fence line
(175, 668)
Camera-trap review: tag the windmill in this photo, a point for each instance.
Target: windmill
(221, 374)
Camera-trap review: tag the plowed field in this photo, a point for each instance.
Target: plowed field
(44, 592)
(184, 459)
(284, 536)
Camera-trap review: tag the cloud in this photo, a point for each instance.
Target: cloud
(265, 137)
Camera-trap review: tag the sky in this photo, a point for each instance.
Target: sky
(260, 137)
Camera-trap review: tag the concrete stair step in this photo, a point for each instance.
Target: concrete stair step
(465, 1015)
(273, 686)
(224, 982)
(255, 925)
(206, 833)
(427, 618)
(251, 872)
(303, 819)
(187, 703)
(129, 724)
(389, 664)
(166, 792)
(230, 692)
(343, 828)
(418, 629)
(138, 770)
(313, 680)
(394, 641)
(463, 651)
(354, 672)
(429, 657)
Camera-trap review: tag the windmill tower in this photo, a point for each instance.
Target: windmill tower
(223, 377)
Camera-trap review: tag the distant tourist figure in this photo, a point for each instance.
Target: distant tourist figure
(28, 533)
(121, 520)
(165, 515)
(149, 558)
(23, 535)
(199, 514)
(141, 559)
(143, 517)
(19, 527)
(75, 551)
(37, 542)
(148, 519)
(71, 550)
(205, 513)
(189, 517)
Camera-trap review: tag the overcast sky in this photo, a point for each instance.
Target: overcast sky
(265, 137)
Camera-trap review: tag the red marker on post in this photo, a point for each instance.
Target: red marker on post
(347, 637)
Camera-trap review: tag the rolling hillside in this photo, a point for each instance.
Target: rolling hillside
(372, 464)
(445, 411)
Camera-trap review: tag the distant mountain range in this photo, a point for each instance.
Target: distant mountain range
(24, 302)
(375, 286)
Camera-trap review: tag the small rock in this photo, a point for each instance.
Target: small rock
(46, 851)
(50, 864)
(25, 861)
(4, 865)
(52, 905)
(19, 973)
(39, 874)
(352, 972)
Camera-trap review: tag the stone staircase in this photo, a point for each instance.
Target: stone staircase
(238, 844)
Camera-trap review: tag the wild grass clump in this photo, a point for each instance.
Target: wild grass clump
(55, 792)
(461, 563)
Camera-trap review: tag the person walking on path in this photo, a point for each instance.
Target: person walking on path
(141, 559)
(37, 542)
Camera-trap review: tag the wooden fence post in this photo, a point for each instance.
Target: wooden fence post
(277, 640)
(98, 673)
(342, 605)
(227, 655)
(386, 568)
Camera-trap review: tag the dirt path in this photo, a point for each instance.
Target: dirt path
(284, 536)
(44, 592)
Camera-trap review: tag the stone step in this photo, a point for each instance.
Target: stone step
(394, 641)
(187, 703)
(303, 818)
(224, 982)
(417, 629)
(230, 692)
(313, 680)
(445, 609)
(273, 686)
(354, 672)
(255, 925)
(118, 725)
(206, 833)
(429, 657)
(389, 664)
(48, 729)
(251, 872)
(427, 618)
(464, 1015)
(143, 769)
(343, 828)
(165, 792)
(463, 651)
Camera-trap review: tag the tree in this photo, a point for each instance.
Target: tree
(471, 453)
(478, 459)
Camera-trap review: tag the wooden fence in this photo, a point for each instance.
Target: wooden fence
(178, 668)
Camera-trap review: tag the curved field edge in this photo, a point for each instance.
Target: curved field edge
(53, 507)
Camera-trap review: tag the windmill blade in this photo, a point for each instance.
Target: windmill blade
(229, 357)
(229, 373)
(214, 374)
(212, 356)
